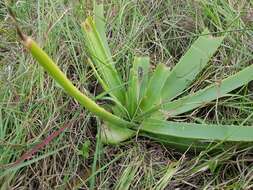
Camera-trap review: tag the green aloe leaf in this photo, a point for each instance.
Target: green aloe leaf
(102, 58)
(138, 83)
(133, 90)
(178, 143)
(201, 133)
(113, 134)
(209, 93)
(189, 66)
(95, 33)
(100, 26)
(101, 81)
(152, 96)
(143, 64)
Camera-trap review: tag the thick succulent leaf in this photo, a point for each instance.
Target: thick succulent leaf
(111, 134)
(201, 132)
(138, 82)
(180, 144)
(143, 64)
(101, 81)
(189, 66)
(152, 96)
(105, 72)
(133, 90)
(209, 93)
(100, 25)
(101, 57)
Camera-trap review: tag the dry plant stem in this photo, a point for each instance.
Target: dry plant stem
(47, 63)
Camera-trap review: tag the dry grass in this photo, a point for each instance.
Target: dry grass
(32, 105)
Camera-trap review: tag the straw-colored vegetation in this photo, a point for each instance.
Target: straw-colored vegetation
(149, 98)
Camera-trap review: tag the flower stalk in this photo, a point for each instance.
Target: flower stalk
(48, 64)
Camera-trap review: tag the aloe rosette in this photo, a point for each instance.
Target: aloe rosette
(146, 102)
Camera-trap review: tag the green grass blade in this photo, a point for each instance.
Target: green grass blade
(194, 60)
(98, 151)
(155, 86)
(29, 162)
(202, 132)
(112, 134)
(209, 93)
(170, 172)
(128, 176)
(103, 60)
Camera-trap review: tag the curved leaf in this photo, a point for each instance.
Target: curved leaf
(194, 60)
(201, 132)
(155, 86)
(112, 134)
(102, 58)
(209, 93)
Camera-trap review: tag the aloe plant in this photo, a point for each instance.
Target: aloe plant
(146, 102)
